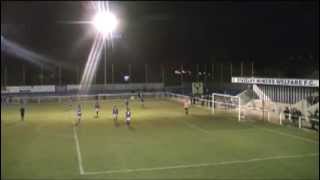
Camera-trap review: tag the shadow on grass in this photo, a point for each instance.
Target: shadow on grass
(131, 128)
(11, 124)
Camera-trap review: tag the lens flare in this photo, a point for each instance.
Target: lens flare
(105, 22)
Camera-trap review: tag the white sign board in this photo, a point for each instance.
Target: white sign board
(277, 81)
(197, 88)
(30, 89)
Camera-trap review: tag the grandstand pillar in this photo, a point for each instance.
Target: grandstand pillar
(212, 72)
(146, 73)
(112, 72)
(162, 74)
(197, 72)
(59, 74)
(78, 75)
(105, 64)
(5, 76)
(230, 70)
(241, 69)
(181, 78)
(41, 75)
(129, 71)
(205, 74)
(23, 74)
(252, 69)
(212, 108)
(221, 73)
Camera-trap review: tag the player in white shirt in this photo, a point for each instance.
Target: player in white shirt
(128, 117)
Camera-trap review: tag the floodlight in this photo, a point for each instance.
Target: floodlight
(126, 78)
(105, 22)
(177, 72)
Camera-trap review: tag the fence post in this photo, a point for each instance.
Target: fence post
(239, 109)
(299, 121)
(289, 117)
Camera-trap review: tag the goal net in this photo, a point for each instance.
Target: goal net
(227, 103)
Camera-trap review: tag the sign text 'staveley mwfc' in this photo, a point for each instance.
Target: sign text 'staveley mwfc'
(277, 81)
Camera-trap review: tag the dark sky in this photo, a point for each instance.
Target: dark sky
(155, 32)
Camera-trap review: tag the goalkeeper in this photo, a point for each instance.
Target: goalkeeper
(186, 105)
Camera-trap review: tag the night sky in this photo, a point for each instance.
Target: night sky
(171, 32)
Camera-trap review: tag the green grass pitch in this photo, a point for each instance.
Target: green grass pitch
(162, 143)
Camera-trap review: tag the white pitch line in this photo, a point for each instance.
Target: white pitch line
(78, 151)
(196, 127)
(200, 165)
(289, 135)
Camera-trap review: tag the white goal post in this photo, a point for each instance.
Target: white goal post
(227, 102)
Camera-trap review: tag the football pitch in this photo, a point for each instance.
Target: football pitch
(162, 143)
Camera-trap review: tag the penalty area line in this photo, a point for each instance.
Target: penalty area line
(200, 165)
(78, 151)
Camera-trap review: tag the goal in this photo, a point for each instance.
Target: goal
(225, 102)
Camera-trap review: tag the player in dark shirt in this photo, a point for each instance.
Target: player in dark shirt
(115, 113)
(22, 111)
(97, 106)
(142, 99)
(126, 103)
(78, 115)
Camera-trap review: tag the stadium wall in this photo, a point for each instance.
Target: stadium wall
(98, 88)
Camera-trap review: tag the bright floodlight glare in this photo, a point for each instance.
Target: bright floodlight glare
(105, 22)
(126, 78)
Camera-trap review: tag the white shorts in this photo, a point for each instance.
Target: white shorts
(114, 115)
(97, 109)
(128, 119)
